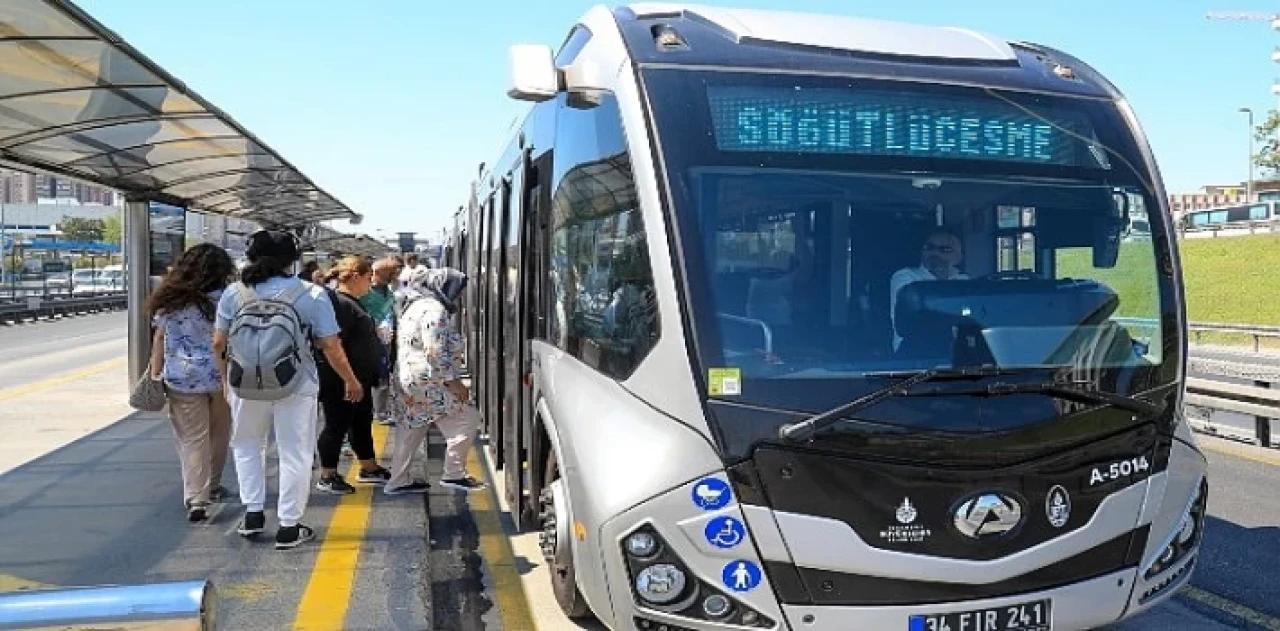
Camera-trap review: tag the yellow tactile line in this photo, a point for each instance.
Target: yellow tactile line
(327, 597)
(495, 547)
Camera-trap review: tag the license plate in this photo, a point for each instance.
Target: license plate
(1029, 616)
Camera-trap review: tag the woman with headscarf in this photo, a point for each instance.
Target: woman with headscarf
(426, 386)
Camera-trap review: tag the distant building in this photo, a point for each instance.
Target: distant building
(17, 187)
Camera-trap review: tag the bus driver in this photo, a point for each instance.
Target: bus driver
(940, 258)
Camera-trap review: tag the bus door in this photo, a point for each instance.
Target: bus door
(492, 392)
(525, 481)
(484, 345)
(510, 442)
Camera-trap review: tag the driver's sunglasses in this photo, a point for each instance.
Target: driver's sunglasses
(936, 247)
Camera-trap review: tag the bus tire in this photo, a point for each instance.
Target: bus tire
(557, 550)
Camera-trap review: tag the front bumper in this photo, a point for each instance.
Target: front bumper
(1085, 605)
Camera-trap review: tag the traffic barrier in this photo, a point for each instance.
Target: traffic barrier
(1259, 400)
(39, 307)
(184, 606)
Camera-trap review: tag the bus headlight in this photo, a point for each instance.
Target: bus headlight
(1186, 537)
(661, 581)
(717, 606)
(642, 545)
(660, 584)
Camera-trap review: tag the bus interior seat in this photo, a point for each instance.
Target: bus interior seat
(889, 242)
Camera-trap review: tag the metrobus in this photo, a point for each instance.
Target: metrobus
(790, 321)
(1233, 215)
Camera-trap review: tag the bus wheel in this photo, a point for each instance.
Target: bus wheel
(557, 550)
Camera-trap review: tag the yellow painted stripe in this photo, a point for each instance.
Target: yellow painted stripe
(11, 583)
(40, 386)
(495, 547)
(1231, 607)
(1239, 450)
(328, 595)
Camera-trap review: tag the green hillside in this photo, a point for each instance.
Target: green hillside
(1228, 279)
(1233, 279)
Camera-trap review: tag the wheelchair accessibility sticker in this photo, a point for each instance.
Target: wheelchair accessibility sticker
(711, 493)
(741, 575)
(725, 532)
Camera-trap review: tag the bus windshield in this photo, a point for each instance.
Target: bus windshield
(836, 229)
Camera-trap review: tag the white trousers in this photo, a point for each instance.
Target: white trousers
(294, 421)
(459, 431)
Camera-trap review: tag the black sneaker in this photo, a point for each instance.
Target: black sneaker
(335, 485)
(293, 536)
(377, 476)
(218, 493)
(253, 523)
(197, 512)
(465, 483)
(412, 487)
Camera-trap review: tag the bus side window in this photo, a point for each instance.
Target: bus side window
(604, 311)
(1016, 239)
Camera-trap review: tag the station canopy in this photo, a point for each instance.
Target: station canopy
(77, 101)
(324, 239)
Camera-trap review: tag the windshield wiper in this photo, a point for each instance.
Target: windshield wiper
(1063, 389)
(1069, 390)
(818, 422)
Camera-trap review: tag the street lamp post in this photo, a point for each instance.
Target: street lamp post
(1248, 191)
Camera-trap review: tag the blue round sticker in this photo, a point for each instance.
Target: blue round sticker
(711, 493)
(741, 575)
(725, 532)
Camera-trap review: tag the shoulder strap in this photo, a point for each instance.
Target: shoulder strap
(246, 294)
(292, 294)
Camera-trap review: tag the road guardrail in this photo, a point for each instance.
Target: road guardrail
(49, 307)
(1259, 400)
(184, 606)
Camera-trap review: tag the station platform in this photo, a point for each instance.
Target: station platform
(90, 495)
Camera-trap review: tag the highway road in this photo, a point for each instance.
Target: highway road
(106, 508)
(31, 352)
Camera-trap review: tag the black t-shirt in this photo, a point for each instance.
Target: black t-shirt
(359, 336)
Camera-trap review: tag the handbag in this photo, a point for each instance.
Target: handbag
(148, 394)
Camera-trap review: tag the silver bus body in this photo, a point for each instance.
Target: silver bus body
(656, 459)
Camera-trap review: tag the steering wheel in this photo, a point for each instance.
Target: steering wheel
(1016, 274)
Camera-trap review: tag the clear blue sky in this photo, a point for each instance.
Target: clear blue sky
(391, 104)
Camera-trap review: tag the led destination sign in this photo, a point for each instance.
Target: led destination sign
(895, 124)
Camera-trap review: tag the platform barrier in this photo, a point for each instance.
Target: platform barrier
(186, 606)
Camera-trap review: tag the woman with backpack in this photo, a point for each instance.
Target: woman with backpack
(342, 418)
(182, 309)
(266, 325)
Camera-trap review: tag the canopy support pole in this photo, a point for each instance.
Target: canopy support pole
(137, 261)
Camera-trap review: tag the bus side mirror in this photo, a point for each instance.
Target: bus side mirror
(1106, 244)
(1108, 230)
(534, 76)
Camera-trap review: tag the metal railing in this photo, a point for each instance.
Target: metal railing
(1257, 332)
(40, 307)
(184, 606)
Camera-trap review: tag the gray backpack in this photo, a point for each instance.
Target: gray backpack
(266, 343)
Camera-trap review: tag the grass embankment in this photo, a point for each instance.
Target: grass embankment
(1230, 280)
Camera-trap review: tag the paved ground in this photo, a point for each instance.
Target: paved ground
(91, 499)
